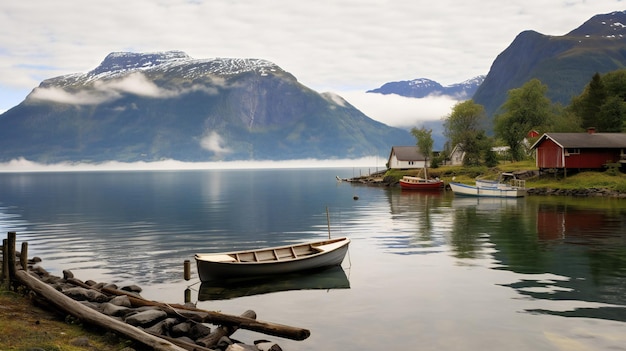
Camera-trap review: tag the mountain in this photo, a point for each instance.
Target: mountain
(422, 87)
(564, 63)
(167, 105)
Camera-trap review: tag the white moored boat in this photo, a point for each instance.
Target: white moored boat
(500, 191)
(506, 186)
(272, 260)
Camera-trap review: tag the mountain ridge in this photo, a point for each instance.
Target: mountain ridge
(155, 106)
(564, 63)
(424, 87)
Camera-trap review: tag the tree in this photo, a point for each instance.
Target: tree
(615, 83)
(563, 120)
(525, 109)
(612, 115)
(602, 103)
(424, 143)
(463, 127)
(594, 99)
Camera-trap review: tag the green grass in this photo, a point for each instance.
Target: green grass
(584, 180)
(24, 326)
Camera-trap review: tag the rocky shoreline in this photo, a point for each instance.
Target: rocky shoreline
(386, 181)
(182, 325)
(123, 311)
(590, 192)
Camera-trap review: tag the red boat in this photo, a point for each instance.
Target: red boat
(417, 183)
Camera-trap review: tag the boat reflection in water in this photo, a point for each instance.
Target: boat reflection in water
(324, 279)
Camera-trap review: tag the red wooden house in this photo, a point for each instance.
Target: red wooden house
(589, 150)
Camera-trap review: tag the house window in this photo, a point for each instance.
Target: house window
(411, 162)
(572, 152)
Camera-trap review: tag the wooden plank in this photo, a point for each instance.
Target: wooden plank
(305, 250)
(266, 255)
(284, 253)
(246, 257)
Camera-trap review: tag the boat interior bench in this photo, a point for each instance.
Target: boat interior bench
(276, 254)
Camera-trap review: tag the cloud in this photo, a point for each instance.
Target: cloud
(109, 90)
(135, 83)
(102, 91)
(400, 111)
(215, 143)
(328, 45)
(24, 165)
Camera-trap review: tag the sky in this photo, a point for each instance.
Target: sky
(342, 46)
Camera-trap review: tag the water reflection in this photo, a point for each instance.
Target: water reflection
(418, 221)
(139, 227)
(326, 279)
(584, 247)
(588, 246)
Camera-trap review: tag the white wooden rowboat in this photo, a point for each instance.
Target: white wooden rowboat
(273, 260)
(499, 191)
(507, 186)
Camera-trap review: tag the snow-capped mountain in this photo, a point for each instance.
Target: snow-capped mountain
(119, 64)
(155, 106)
(423, 87)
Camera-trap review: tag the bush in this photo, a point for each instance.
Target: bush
(613, 169)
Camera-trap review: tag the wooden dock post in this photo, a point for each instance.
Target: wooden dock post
(5, 262)
(24, 256)
(11, 237)
(187, 270)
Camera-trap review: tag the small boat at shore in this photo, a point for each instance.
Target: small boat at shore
(507, 186)
(502, 191)
(272, 260)
(418, 183)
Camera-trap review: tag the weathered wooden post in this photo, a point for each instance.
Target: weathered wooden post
(24, 256)
(187, 270)
(11, 237)
(5, 262)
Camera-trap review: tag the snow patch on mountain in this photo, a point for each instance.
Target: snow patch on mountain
(610, 26)
(120, 64)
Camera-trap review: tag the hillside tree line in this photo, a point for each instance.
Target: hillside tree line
(601, 105)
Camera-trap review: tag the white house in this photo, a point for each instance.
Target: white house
(406, 157)
(457, 155)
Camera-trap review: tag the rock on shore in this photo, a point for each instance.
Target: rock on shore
(590, 192)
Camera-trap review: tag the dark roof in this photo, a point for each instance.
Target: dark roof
(407, 153)
(585, 140)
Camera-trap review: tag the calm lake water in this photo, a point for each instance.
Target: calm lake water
(425, 271)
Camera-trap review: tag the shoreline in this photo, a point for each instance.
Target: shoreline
(587, 192)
